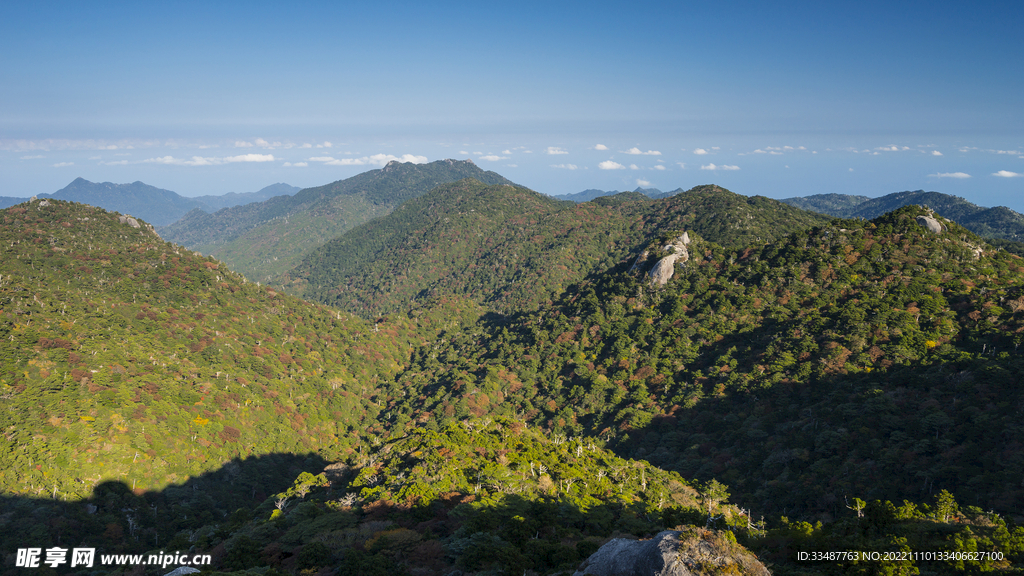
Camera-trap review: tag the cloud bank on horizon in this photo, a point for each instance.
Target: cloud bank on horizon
(859, 100)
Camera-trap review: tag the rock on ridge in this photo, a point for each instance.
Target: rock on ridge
(689, 551)
(129, 221)
(930, 223)
(666, 267)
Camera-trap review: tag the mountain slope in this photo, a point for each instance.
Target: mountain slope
(858, 358)
(123, 356)
(263, 240)
(513, 248)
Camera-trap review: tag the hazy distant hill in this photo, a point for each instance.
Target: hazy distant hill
(214, 203)
(831, 204)
(150, 203)
(265, 239)
(592, 193)
(156, 205)
(999, 222)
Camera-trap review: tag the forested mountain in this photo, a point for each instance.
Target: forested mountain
(264, 239)
(513, 248)
(126, 357)
(832, 204)
(997, 223)
(875, 358)
(854, 384)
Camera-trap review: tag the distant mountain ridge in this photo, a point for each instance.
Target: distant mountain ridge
(999, 222)
(239, 198)
(265, 239)
(511, 247)
(156, 205)
(593, 193)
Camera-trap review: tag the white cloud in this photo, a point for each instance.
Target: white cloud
(306, 145)
(634, 167)
(960, 175)
(250, 158)
(600, 147)
(636, 151)
(243, 144)
(610, 165)
(63, 164)
(262, 142)
(658, 167)
(210, 161)
(936, 153)
(642, 182)
(509, 152)
(1010, 152)
(851, 169)
(463, 153)
(565, 166)
(325, 145)
(682, 165)
(893, 148)
(700, 151)
(556, 150)
(722, 167)
(297, 164)
(493, 158)
(1006, 174)
(375, 160)
(36, 157)
(115, 163)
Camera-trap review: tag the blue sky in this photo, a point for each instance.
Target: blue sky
(781, 99)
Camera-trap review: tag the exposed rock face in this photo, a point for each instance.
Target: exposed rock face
(930, 223)
(691, 551)
(666, 267)
(129, 221)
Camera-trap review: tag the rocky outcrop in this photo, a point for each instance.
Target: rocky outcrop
(690, 551)
(129, 221)
(930, 223)
(666, 267)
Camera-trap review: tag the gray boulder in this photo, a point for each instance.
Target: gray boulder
(128, 220)
(690, 551)
(930, 223)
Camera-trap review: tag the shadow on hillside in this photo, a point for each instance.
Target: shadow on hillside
(805, 449)
(116, 519)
